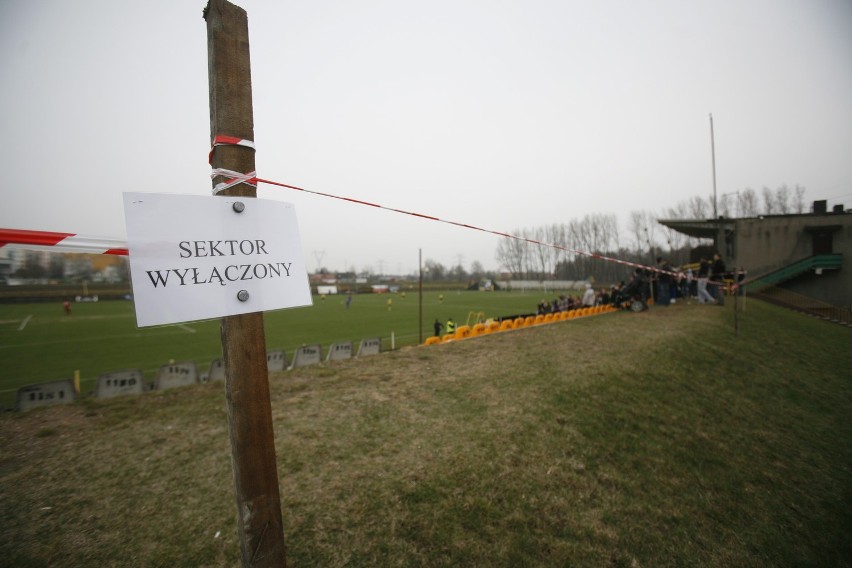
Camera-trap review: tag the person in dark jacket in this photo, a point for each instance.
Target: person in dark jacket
(719, 275)
(664, 282)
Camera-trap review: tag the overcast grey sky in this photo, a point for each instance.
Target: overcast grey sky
(499, 114)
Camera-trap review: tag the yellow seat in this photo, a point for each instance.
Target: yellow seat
(493, 326)
(463, 331)
(432, 340)
(478, 329)
(507, 324)
(548, 318)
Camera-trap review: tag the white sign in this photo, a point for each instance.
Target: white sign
(195, 257)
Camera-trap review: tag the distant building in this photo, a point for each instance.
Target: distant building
(809, 253)
(5, 265)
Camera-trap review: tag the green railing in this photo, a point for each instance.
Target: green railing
(811, 263)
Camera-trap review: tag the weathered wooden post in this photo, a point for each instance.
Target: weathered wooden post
(243, 341)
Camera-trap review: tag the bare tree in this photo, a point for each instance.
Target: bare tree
(724, 205)
(644, 227)
(651, 229)
(457, 273)
(434, 270)
(611, 231)
(636, 227)
(541, 254)
(675, 239)
(798, 203)
(748, 203)
(511, 254)
(559, 238)
(782, 199)
(768, 201)
(698, 208)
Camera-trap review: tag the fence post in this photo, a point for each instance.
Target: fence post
(248, 404)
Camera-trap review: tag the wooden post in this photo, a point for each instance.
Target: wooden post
(420, 318)
(243, 341)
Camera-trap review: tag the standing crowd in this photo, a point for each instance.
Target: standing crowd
(665, 285)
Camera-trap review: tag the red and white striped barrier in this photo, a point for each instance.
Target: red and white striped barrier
(77, 243)
(465, 226)
(222, 140)
(67, 242)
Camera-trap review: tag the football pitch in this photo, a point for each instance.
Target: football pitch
(38, 342)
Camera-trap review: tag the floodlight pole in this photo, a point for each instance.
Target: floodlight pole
(713, 157)
(253, 462)
(719, 239)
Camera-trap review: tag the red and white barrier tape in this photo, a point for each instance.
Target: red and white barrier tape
(251, 179)
(236, 178)
(78, 243)
(465, 226)
(498, 233)
(69, 242)
(222, 140)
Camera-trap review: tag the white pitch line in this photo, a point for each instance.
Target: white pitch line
(25, 322)
(186, 328)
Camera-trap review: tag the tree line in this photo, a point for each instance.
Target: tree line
(561, 256)
(640, 241)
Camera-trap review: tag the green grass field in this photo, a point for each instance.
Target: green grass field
(650, 440)
(39, 343)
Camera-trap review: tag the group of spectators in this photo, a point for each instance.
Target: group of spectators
(708, 286)
(667, 284)
(563, 303)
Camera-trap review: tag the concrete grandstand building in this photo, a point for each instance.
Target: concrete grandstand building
(809, 254)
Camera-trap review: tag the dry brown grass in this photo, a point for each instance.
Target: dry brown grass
(618, 440)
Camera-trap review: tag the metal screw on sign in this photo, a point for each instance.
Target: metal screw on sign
(239, 206)
(243, 295)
